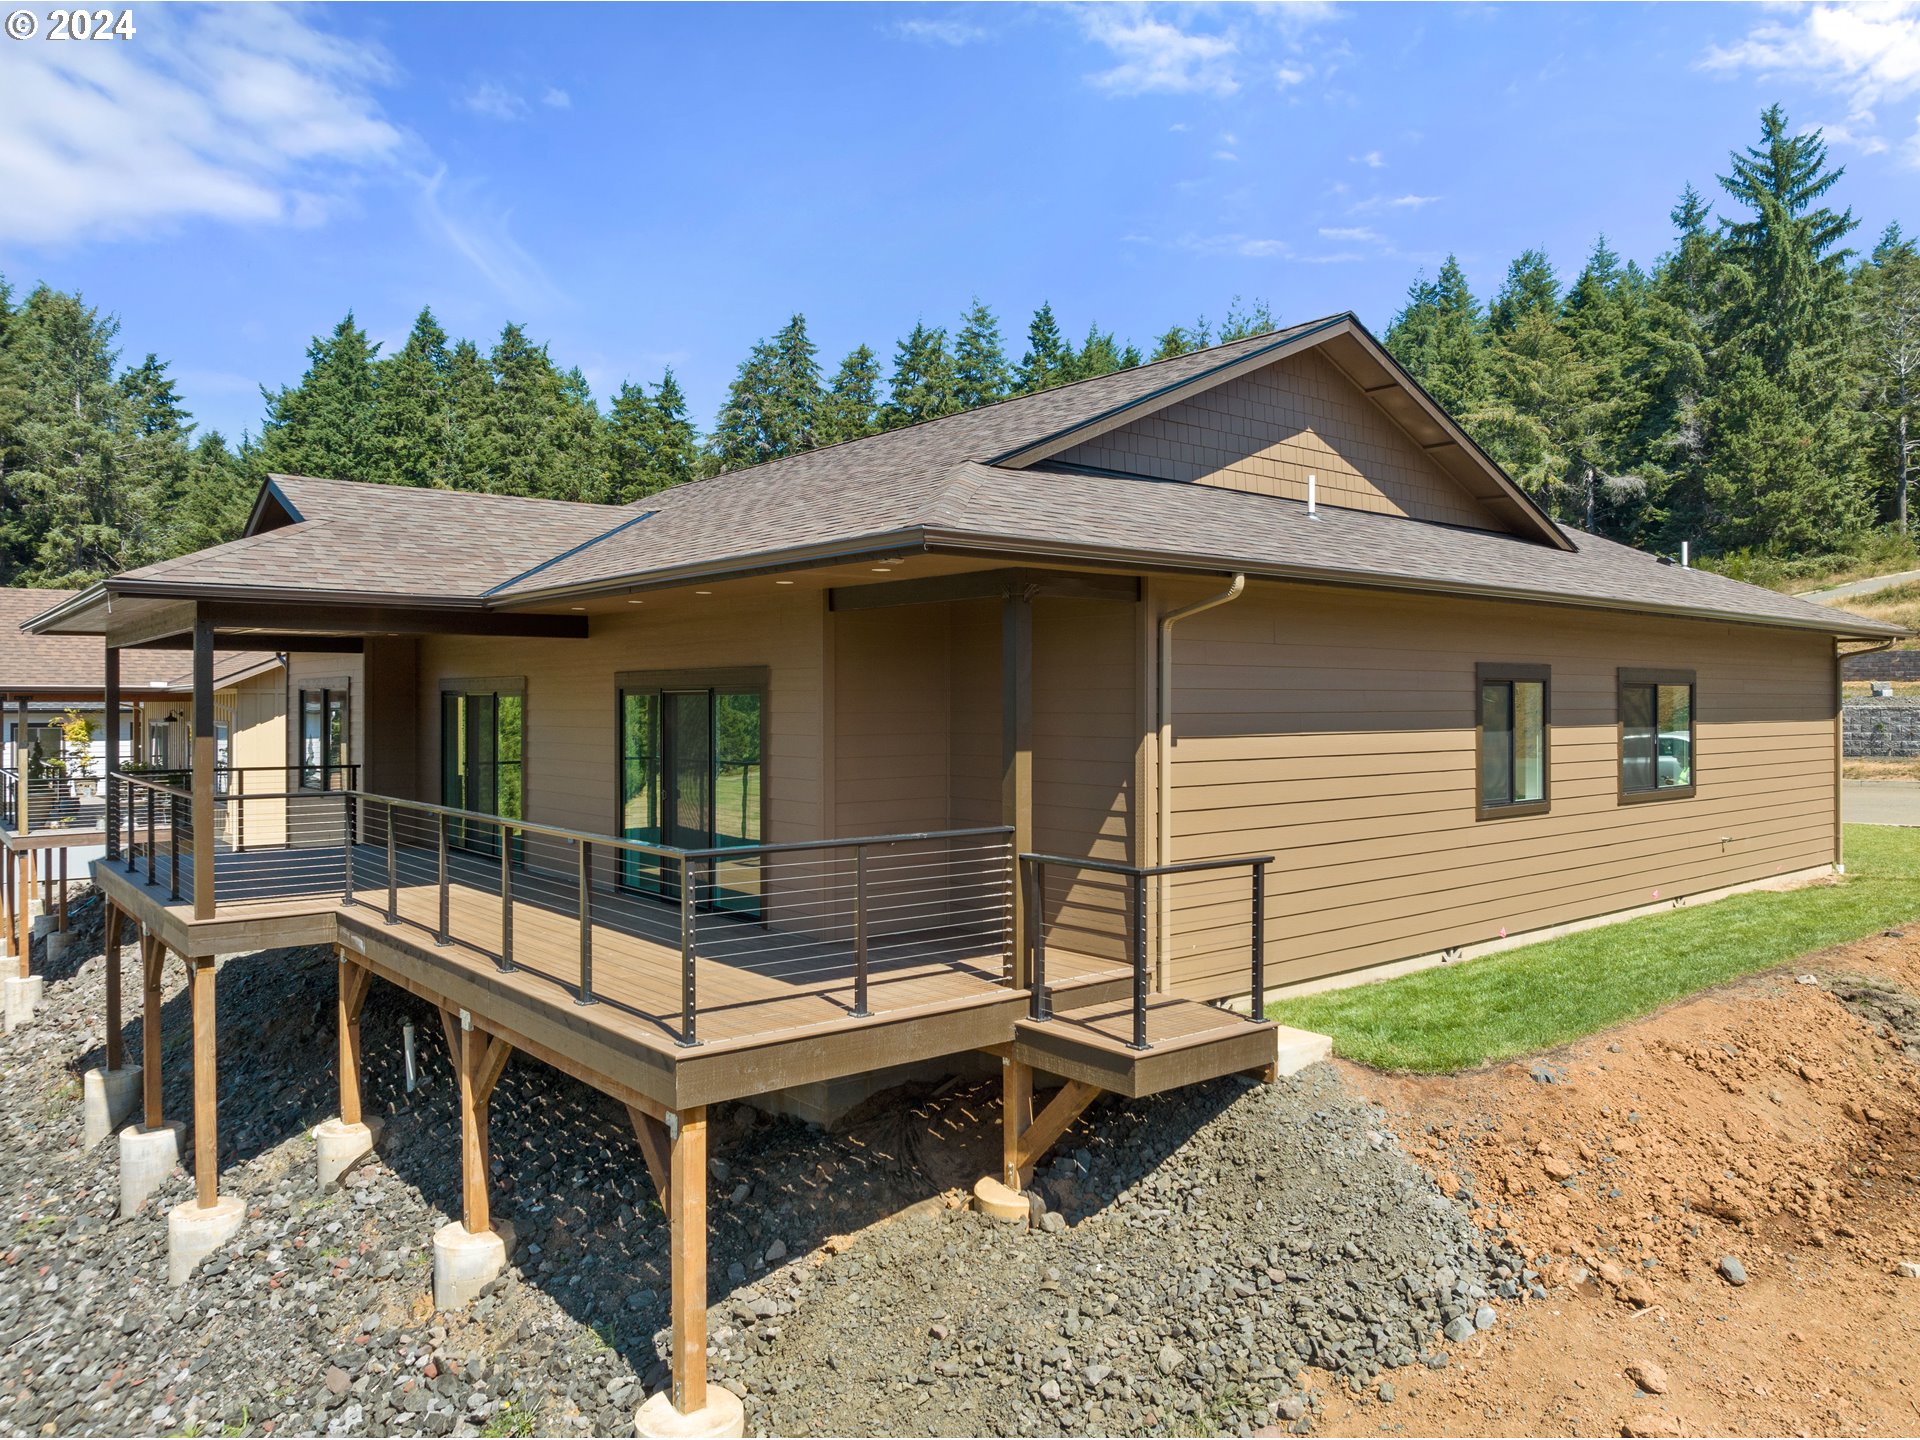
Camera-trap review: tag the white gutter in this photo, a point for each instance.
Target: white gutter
(1163, 827)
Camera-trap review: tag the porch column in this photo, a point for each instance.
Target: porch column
(1016, 750)
(198, 1227)
(203, 762)
(338, 1144)
(112, 815)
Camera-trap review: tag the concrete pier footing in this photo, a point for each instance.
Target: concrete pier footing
(339, 1147)
(993, 1197)
(147, 1157)
(57, 943)
(22, 998)
(106, 1098)
(42, 923)
(464, 1263)
(194, 1232)
(722, 1416)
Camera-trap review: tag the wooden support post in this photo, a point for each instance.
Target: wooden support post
(153, 956)
(203, 762)
(656, 1148)
(206, 1090)
(110, 814)
(479, 1061)
(1016, 1114)
(1016, 752)
(20, 895)
(43, 869)
(355, 980)
(1026, 1137)
(63, 889)
(33, 881)
(116, 1041)
(687, 1215)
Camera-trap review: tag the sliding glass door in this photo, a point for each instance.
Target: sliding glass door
(481, 740)
(691, 771)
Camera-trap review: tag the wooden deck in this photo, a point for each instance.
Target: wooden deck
(774, 1009)
(1188, 1042)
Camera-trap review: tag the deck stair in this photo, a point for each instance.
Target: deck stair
(1187, 1042)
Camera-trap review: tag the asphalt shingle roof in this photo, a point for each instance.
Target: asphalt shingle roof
(30, 663)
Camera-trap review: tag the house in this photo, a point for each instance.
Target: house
(1031, 730)
(54, 749)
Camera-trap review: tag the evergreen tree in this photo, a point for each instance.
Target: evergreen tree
(1048, 355)
(1245, 320)
(471, 460)
(1179, 340)
(773, 405)
(325, 425)
(1099, 354)
(981, 374)
(1439, 336)
(1887, 303)
(216, 500)
(1531, 288)
(852, 406)
(922, 387)
(411, 411)
(650, 441)
(538, 429)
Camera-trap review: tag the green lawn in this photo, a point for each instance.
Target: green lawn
(1534, 998)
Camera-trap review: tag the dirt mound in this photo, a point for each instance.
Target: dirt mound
(1724, 1191)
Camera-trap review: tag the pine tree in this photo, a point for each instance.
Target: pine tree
(1048, 355)
(922, 387)
(981, 374)
(1887, 303)
(1179, 340)
(472, 463)
(1440, 337)
(1244, 321)
(1099, 354)
(216, 500)
(650, 442)
(851, 409)
(1530, 288)
(411, 411)
(773, 405)
(325, 425)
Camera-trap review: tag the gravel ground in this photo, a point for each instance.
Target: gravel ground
(1198, 1250)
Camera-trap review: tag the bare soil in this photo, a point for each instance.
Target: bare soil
(1774, 1121)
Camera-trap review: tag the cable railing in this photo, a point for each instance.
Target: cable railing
(1130, 883)
(55, 799)
(681, 937)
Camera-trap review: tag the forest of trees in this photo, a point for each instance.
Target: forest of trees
(1755, 391)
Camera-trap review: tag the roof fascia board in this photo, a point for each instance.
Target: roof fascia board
(961, 544)
(270, 490)
(74, 604)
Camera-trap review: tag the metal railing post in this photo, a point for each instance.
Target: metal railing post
(860, 1011)
(173, 847)
(586, 924)
(1137, 920)
(346, 893)
(506, 900)
(689, 1000)
(1259, 992)
(440, 936)
(1036, 902)
(133, 850)
(240, 819)
(393, 873)
(151, 846)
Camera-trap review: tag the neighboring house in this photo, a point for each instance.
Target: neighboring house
(1266, 600)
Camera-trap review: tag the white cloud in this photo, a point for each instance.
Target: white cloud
(1349, 232)
(484, 238)
(495, 101)
(1157, 56)
(1225, 155)
(243, 113)
(1291, 73)
(1391, 202)
(1373, 160)
(940, 32)
(1868, 54)
(556, 99)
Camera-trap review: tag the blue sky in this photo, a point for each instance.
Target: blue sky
(652, 185)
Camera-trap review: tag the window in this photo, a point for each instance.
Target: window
(1513, 739)
(1656, 734)
(323, 739)
(691, 773)
(482, 757)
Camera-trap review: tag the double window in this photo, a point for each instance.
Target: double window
(323, 739)
(1513, 722)
(482, 757)
(1656, 734)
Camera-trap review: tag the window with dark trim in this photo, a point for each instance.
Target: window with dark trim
(323, 739)
(1513, 720)
(1657, 725)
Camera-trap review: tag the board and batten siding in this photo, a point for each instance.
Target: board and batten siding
(1267, 431)
(1336, 731)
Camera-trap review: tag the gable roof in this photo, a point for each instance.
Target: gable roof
(977, 482)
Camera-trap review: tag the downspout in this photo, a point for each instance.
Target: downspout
(1163, 826)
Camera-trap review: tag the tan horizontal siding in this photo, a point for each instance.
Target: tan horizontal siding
(1336, 732)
